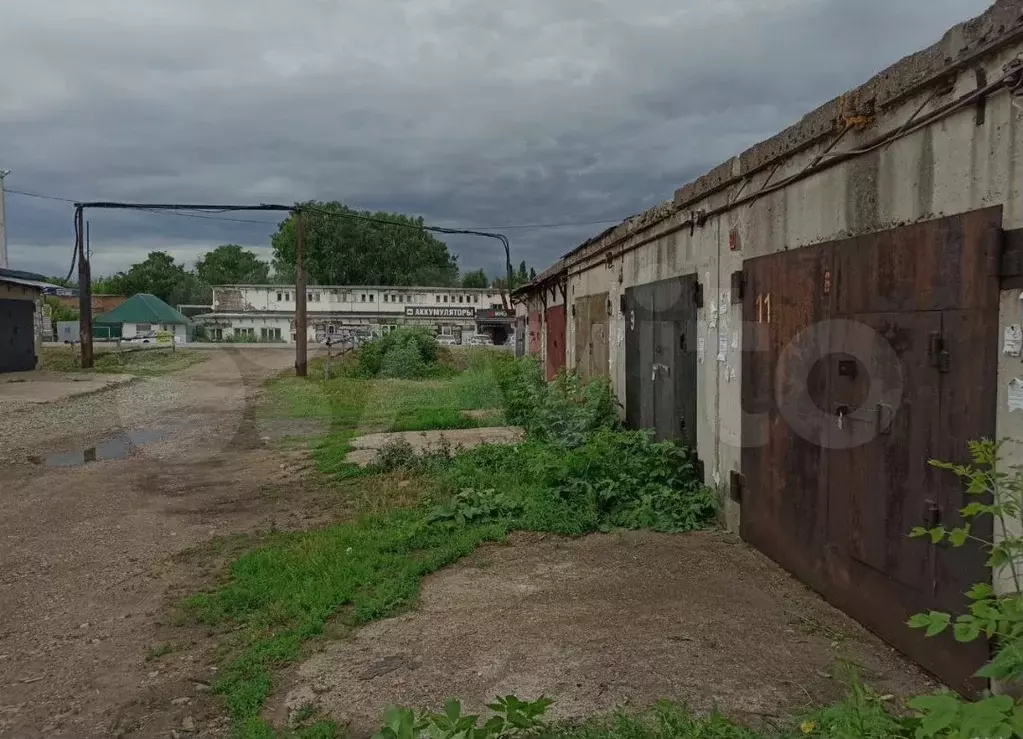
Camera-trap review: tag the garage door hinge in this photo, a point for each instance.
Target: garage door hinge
(939, 356)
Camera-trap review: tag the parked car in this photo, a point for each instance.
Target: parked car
(141, 339)
(479, 340)
(446, 341)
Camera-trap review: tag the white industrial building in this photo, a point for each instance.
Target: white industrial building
(267, 312)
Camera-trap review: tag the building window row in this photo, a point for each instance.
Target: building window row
(317, 296)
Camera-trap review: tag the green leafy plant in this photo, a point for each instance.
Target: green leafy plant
(399, 455)
(564, 411)
(512, 717)
(635, 482)
(950, 717)
(864, 714)
(476, 506)
(997, 494)
(405, 353)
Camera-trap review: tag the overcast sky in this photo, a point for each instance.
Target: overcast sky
(468, 112)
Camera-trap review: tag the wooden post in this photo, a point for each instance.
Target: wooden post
(84, 292)
(301, 285)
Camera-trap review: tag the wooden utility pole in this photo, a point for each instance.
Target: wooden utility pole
(301, 285)
(84, 291)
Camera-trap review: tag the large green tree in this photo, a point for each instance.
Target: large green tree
(476, 279)
(159, 275)
(230, 264)
(352, 251)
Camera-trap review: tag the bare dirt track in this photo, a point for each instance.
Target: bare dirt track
(96, 557)
(88, 576)
(603, 622)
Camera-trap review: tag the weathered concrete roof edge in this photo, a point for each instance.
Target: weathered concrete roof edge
(960, 44)
(963, 43)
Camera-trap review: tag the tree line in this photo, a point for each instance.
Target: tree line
(343, 247)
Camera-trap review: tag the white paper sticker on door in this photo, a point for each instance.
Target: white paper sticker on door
(1013, 340)
(1016, 394)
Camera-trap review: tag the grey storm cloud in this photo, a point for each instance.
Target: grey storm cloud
(467, 112)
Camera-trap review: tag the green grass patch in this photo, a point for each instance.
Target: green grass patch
(577, 473)
(372, 405)
(427, 419)
(144, 362)
(283, 593)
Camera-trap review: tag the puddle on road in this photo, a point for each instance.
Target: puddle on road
(117, 448)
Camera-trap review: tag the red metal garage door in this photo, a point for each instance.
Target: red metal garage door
(865, 358)
(555, 340)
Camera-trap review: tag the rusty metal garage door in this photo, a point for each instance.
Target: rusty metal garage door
(17, 336)
(535, 332)
(862, 360)
(590, 315)
(555, 340)
(660, 358)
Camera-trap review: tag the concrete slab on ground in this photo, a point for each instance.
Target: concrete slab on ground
(367, 448)
(49, 387)
(603, 622)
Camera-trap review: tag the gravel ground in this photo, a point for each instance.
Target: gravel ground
(88, 570)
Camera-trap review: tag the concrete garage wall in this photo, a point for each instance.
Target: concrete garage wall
(962, 161)
(547, 291)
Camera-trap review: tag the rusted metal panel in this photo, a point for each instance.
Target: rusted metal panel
(784, 512)
(591, 334)
(878, 353)
(535, 333)
(660, 358)
(556, 324)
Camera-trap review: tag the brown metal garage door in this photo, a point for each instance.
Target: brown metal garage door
(590, 314)
(17, 336)
(863, 359)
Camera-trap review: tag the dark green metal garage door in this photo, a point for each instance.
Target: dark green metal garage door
(17, 337)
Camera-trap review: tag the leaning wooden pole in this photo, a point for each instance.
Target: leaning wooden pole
(84, 291)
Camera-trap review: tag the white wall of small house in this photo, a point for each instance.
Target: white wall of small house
(132, 330)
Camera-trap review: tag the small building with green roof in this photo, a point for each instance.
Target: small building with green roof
(145, 315)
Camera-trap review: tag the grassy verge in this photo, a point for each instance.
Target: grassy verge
(577, 473)
(144, 362)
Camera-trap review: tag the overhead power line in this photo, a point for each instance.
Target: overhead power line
(37, 195)
(210, 214)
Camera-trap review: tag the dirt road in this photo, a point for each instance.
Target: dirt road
(86, 546)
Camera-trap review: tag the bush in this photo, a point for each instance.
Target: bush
(565, 411)
(405, 353)
(631, 481)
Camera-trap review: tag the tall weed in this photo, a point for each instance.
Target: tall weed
(564, 411)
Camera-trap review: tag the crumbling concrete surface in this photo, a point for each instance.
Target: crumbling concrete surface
(367, 448)
(48, 387)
